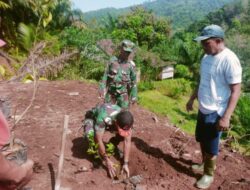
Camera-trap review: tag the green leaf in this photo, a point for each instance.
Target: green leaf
(2, 70)
(4, 5)
(28, 78)
(47, 20)
(26, 36)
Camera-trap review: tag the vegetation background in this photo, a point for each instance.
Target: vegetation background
(48, 40)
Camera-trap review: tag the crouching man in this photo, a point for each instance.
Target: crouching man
(102, 117)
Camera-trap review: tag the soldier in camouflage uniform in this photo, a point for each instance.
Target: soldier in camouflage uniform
(110, 115)
(118, 84)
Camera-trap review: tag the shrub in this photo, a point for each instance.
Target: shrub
(182, 71)
(241, 117)
(173, 87)
(143, 86)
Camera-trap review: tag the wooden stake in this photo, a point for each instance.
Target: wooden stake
(61, 158)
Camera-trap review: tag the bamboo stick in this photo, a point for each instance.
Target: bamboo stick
(61, 158)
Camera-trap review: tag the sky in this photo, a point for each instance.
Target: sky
(90, 5)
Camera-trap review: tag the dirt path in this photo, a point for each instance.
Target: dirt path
(161, 154)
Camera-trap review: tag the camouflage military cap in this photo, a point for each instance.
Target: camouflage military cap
(127, 45)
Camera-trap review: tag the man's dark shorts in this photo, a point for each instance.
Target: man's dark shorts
(206, 132)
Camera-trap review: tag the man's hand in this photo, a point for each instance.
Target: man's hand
(223, 124)
(125, 170)
(111, 168)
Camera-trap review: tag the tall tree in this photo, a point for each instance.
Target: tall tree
(142, 27)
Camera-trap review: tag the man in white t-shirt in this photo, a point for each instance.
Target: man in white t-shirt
(218, 94)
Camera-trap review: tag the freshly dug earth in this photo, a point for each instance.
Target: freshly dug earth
(161, 154)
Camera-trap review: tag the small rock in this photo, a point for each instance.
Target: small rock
(16, 117)
(67, 159)
(186, 155)
(129, 186)
(68, 131)
(233, 150)
(162, 175)
(83, 169)
(230, 158)
(141, 187)
(27, 188)
(135, 179)
(155, 119)
(197, 152)
(5, 106)
(74, 93)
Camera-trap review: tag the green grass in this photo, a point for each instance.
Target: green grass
(172, 108)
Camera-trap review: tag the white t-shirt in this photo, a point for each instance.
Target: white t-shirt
(217, 73)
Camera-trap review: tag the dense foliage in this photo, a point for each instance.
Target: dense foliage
(142, 27)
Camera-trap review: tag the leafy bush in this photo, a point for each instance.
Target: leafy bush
(241, 117)
(173, 88)
(143, 86)
(142, 27)
(240, 130)
(90, 62)
(182, 71)
(82, 69)
(243, 109)
(53, 46)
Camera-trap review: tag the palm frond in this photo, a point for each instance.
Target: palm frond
(38, 65)
(4, 5)
(26, 36)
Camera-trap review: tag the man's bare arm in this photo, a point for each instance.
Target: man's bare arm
(235, 95)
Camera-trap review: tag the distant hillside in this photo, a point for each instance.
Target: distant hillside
(181, 12)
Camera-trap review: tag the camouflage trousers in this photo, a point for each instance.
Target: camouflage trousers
(121, 100)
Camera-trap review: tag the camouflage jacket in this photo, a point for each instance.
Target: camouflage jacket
(119, 77)
(105, 115)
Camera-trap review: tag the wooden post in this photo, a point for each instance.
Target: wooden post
(61, 158)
